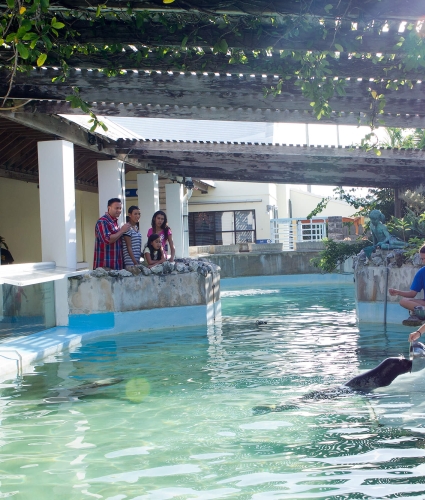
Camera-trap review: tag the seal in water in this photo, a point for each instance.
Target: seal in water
(380, 376)
(88, 389)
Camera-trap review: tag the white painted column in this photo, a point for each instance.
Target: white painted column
(148, 195)
(1, 299)
(174, 197)
(1, 302)
(57, 214)
(111, 182)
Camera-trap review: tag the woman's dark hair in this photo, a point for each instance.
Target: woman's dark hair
(164, 225)
(152, 250)
(132, 208)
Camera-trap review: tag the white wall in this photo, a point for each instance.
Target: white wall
(303, 203)
(20, 223)
(283, 194)
(238, 196)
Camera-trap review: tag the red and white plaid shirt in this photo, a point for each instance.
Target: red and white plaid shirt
(107, 254)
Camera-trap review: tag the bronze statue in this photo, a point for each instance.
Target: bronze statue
(380, 234)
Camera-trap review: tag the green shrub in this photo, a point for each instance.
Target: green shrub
(335, 253)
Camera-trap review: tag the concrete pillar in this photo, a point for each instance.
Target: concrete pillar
(148, 195)
(57, 214)
(1, 299)
(174, 197)
(283, 197)
(111, 181)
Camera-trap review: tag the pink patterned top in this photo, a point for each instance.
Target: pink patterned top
(164, 242)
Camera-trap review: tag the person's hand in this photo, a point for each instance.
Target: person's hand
(125, 227)
(392, 291)
(414, 336)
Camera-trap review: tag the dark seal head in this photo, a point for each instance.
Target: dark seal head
(380, 376)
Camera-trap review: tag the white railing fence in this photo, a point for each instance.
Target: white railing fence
(289, 231)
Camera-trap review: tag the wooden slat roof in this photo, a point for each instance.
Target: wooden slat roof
(251, 162)
(211, 96)
(359, 36)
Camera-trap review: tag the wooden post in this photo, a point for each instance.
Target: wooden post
(397, 204)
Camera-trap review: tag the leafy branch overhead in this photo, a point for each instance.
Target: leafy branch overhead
(312, 46)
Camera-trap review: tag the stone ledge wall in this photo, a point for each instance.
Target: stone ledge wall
(100, 292)
(242, 248)
(371, 280)
(371, 274)
(268, 264)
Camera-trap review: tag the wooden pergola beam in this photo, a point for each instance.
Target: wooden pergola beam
(341, 67)
(302, 173)
(248, 151)
(281, 164)
(403, 9)
(208, 91)
(223, 114)
(133, 85)
(319, 38)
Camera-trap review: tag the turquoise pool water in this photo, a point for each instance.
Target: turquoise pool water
(178, 421)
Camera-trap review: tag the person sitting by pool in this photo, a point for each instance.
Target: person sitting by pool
(408, 301)
(160, 227)
(132, 247)
(153, 253)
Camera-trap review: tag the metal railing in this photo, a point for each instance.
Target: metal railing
(290, 231)
(19, 363)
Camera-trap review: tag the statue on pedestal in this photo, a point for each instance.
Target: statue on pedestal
(380, 234)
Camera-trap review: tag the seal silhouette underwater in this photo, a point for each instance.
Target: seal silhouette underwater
(380, 376)
(82, 390)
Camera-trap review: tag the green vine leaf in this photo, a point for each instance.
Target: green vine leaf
(23, 51)
(41, 59)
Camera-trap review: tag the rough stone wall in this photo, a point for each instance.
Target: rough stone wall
(371, 274)
(371, 280)
(103, 291)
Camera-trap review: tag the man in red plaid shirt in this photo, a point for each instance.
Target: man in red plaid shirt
(108, 244)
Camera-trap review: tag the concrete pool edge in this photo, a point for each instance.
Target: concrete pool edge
(37, 346)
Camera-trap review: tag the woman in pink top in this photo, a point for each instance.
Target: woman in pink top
(160, 226)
